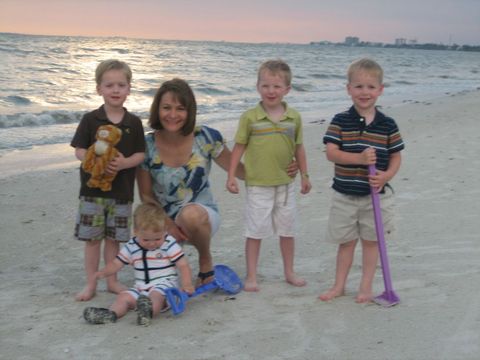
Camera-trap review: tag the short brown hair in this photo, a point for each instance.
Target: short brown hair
(148, 216)
(368, 65)
(184, 95)
(112, 64)
(276, 67)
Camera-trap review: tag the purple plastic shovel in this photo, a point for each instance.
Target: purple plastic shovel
(388, 298)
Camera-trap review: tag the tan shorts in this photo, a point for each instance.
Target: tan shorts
(352, 218)
(270, 210)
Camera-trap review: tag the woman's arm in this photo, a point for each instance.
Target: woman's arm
(145, 186)
(223, 160)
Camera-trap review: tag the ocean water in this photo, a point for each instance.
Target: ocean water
(48, 81)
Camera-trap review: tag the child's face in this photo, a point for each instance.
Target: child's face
(272, 88)
(149, 239)
(173, 115)
(114, 88)
(364, 88)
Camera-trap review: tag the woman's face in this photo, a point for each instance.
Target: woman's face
(173, 115)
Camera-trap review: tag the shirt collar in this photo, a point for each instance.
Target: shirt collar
(126, 121)
(260, 113)
(379, 116)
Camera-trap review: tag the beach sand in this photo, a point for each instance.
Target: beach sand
(434, 263)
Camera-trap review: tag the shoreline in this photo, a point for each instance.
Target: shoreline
(434, 264)
(61, 155)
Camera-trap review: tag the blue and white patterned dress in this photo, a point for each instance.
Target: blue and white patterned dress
(174, 187)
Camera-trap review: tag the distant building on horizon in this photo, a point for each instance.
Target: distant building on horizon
(352, 40)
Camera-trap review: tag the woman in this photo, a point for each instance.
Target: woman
(177, 165)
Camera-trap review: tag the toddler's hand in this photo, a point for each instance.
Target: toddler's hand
(188, 288)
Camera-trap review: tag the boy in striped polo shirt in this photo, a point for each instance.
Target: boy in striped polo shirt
(156, 257)
(356, 138)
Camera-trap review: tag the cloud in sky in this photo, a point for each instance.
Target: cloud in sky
(301, 21)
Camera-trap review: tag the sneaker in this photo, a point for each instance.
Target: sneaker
(144, 310)
(95, 315)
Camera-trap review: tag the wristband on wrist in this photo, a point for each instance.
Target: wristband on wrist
(305, 176)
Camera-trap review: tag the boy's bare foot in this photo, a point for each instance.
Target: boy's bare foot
(86, 294)
(295, 280)
(363, 298)
(331, 294)
(251, 285)
(116, 288)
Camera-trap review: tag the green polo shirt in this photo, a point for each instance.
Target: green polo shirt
(270, 146)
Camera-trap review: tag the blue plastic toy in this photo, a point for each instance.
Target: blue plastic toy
(224, 278)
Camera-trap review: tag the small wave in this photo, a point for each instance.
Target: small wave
(211, 90)
(404, 82)
(327, 76)
(149, 92)
(302, 87)
(121, 51)
(18, 100)
(40, 119)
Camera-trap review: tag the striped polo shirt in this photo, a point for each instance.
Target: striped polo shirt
(151, 266)
(349, 131)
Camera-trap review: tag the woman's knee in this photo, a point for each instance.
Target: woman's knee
(193, 216)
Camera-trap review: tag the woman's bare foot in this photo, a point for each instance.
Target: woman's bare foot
(363, 298)
(295, 280)
(86, 294)
(251, 285)
(116, 287)
(331, 294)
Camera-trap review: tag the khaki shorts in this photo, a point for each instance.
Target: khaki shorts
(270, 210)
(103, 218)
(352, 218)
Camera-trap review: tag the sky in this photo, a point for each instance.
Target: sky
(297, 21)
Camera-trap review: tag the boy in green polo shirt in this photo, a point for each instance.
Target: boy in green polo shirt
(270, 135)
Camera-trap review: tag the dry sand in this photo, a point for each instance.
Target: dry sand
(435, 264)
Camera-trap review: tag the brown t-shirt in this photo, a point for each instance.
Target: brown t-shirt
(132, 141)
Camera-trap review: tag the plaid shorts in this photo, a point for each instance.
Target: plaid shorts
(100, 218)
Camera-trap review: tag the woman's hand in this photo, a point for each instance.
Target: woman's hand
(174, 230)
(292, 169)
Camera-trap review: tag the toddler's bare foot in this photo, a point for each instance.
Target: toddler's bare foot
(364, 297)
(116, 288)
(251, 285)
(86, 294)
(295, 280)
(331, 294)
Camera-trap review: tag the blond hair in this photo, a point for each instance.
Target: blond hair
(365, 64)
(277, 67)
(149, 216)
(112, 64)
